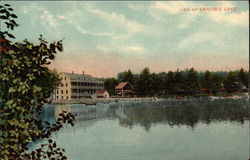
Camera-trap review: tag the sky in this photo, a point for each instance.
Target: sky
(105, 38)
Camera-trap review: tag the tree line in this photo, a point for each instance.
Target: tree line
(180, 82)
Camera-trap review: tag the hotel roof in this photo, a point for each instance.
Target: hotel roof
(74, 76)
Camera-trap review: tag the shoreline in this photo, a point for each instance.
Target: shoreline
(91, 101)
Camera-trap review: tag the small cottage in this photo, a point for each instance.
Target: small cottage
(101, 94)
(124, 89)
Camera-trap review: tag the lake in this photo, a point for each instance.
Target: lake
(159, 130)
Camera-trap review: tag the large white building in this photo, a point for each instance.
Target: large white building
(77, 86)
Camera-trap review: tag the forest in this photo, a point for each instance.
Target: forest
(181, 82)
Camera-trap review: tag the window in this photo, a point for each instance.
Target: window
(74, 90)
(57, 92)
(66, 91)
(67, 97)
(62, 97)
(65, 78)
(61, 91)
(57, 97)
(66, 84)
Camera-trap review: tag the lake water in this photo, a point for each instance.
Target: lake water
(190, 130)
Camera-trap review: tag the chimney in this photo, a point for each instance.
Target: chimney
(83, 72)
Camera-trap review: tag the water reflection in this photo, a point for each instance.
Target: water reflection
(185, 113)
(147, 114)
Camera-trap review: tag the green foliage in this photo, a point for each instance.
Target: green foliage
(126, 76)
(206, 81)
(109, 85)
(243, 76)
(184, 82)
(179, 81)
(143, 83)
(230, 80)
(216, 82)
(170, 81)
(192, 80)
(26, 83)
(7, 17)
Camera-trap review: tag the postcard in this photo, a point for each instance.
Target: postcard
(124, 80)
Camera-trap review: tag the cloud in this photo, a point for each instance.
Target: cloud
(230, 17)
(48, 18)
(135, 49)
(241, 18)
(119, 19)
(172, 8)
(195, 39)
(61, 17)
(45, 16)
(164, 11)
(136, 7)
(127, 49)
(115, 26)
(84, 31)
(72, 19)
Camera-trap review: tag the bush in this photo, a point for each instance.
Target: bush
(26, 84)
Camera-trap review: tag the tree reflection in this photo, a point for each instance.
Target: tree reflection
(185, 114)
(172, 113)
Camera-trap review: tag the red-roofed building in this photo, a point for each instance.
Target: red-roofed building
(101, 94)
(204, 90)
(124, 89)
(223, 89)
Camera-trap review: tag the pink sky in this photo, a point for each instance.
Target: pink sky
(109, 65)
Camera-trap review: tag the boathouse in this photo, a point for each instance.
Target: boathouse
(124, 89)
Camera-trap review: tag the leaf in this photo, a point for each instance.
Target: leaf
(54, 145)
(3, 17)
(59, 46)
(10, 9)
(2, 11)
(12, 90)
(7, 13)
(49, 154)
(21, 116)
(10, 35)
(53, 47)
(37, 89)
(7, 5)
(51, 56)
(12, 26)
(13, 22)
(13, 16)
(1, 123)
